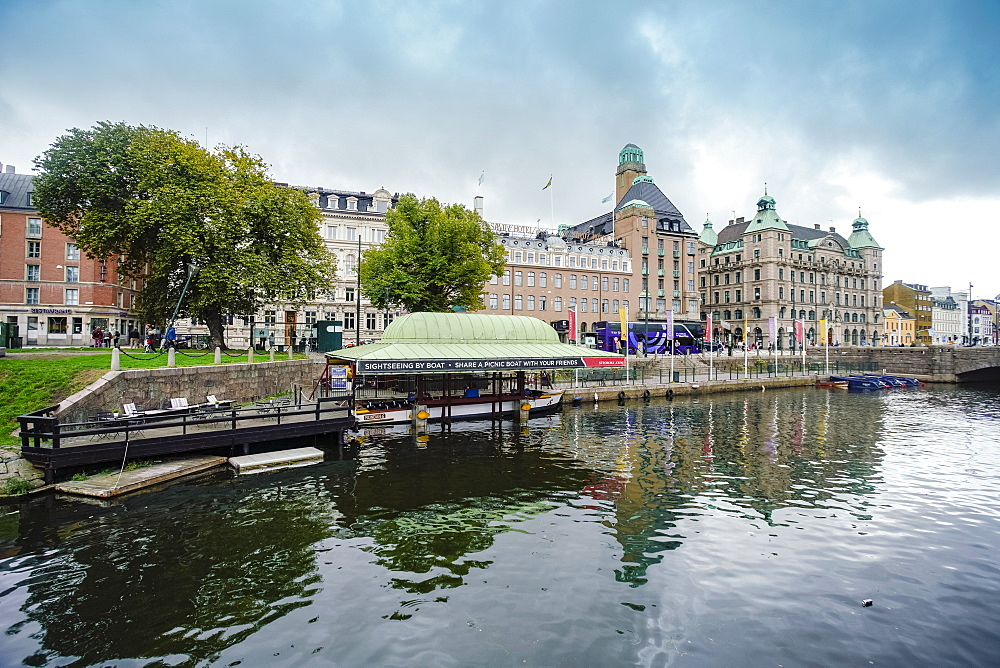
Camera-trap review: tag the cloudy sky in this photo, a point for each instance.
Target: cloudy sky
(890, 107)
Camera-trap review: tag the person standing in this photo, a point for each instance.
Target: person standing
(171, 337)
(98, 335)
(133, 337)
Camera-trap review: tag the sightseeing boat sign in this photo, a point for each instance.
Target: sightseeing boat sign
(509, 364)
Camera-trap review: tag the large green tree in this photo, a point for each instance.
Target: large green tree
(434, 258)
(166, 208)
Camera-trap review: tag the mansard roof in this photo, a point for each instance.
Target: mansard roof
(16, 188)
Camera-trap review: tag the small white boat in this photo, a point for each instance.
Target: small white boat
(375, 412)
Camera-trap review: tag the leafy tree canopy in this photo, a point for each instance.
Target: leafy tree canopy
(158, 203)
(434, 258)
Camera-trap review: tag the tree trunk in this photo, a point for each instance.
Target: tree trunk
(213, 318)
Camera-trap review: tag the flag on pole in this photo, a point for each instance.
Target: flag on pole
(708, 328)
(725, 325)
(772, 329)
(571, 334)
(798, 331)
(547, 184)
(607, 199)
(746, 331)
(670, 325)
(822, 330)
(481, 177)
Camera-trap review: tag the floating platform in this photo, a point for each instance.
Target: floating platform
(267, 461)
(112, 484)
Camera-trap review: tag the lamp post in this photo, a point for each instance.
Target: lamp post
(192, 269)
(385, 318)
(357, 295)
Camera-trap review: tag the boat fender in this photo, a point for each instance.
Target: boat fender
(595, 397)
(621, 396)
(645, 395)
(670, 394)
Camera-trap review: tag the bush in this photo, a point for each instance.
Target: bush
(16, 486)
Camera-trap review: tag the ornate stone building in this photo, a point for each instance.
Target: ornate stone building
(761, 268)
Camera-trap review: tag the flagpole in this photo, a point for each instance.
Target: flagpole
(746, 353)
(801, 336)
(552, 205)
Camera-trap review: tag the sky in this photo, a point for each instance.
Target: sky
(891, 108)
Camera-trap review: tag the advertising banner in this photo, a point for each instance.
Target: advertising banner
(772, 329)
(572, 331)
(670, 325)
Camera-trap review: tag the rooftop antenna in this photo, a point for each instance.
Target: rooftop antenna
(765, 187)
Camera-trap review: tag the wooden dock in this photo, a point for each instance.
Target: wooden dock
(52, 445)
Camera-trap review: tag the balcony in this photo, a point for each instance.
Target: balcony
(645, 250)
(645, 271)
(677, 273)
(660, 273)
(677, 253)
(677, 294)
(661, 293)
(660, 252)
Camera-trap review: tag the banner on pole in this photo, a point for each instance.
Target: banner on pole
(822, 330)
(623, 318)
(772, 329)
(708, 328)
(670, 325)
(798, 331)
(746, 330)
(571, 317)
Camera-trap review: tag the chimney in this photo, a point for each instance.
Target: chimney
(833, 230)
(477, 204)
(816, 225)
(10, 169)
(739, 220)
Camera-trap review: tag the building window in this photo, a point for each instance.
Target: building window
(57, 326)
(72, 252)
(557, 280)
(352, 234)
(558, 260)
(543, 279)
(531, 279)
(572, 281)
(506, 302)
(604, 283)
(34, 228)
(35, 249)
(604, 306)
(494, 280)
(557, 303)
(518, 257)
(531, 258)
(781, 293)
(517, 278)
(517, 302)
(614, 285)
(572, 302)
(756, 254)
(31, 296)
(506, 277)
(72, 297)
(493, 301)
(541, 303)
(371, 320)
(72, 274)
(756, 293)
(625, 285)
(349, 320)
(34, 272)
(531, 302)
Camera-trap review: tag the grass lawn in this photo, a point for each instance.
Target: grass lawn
(30, 383)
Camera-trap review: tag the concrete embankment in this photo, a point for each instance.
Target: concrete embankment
(662, 390)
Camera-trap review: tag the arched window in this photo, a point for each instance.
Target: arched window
(864, 337)
(854, 338)
(812, 315)
(756, 314)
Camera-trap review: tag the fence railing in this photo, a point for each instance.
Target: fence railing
(41, 429)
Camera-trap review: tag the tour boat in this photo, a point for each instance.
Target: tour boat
(377, 412)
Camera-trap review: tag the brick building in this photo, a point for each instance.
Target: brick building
(916, 300)
(52, 291)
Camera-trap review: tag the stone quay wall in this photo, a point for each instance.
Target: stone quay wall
(149, 388)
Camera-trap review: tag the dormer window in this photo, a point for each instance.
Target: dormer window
(332, 202)
(352, 203)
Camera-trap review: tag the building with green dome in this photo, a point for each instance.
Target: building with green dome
(752, 270)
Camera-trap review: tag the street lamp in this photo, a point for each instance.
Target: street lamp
(192, 269)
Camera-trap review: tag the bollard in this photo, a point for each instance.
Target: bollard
(171, 357)
(272, 353)
(116, 359)
(250, 355)
(290, 355)
(420, 416)
(525, 411)
(218, 355)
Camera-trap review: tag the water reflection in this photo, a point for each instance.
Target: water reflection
(629, 499)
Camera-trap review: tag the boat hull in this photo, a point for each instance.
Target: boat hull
(460, 409)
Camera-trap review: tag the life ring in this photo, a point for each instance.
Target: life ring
(621, 396)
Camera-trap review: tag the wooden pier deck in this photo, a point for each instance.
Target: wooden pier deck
(51, 445)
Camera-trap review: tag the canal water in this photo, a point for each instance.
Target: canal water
(732, 530)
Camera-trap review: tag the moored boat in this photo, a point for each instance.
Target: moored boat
(399, 411)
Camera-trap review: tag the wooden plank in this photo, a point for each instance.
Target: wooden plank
(276, 459)
(113, 484)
